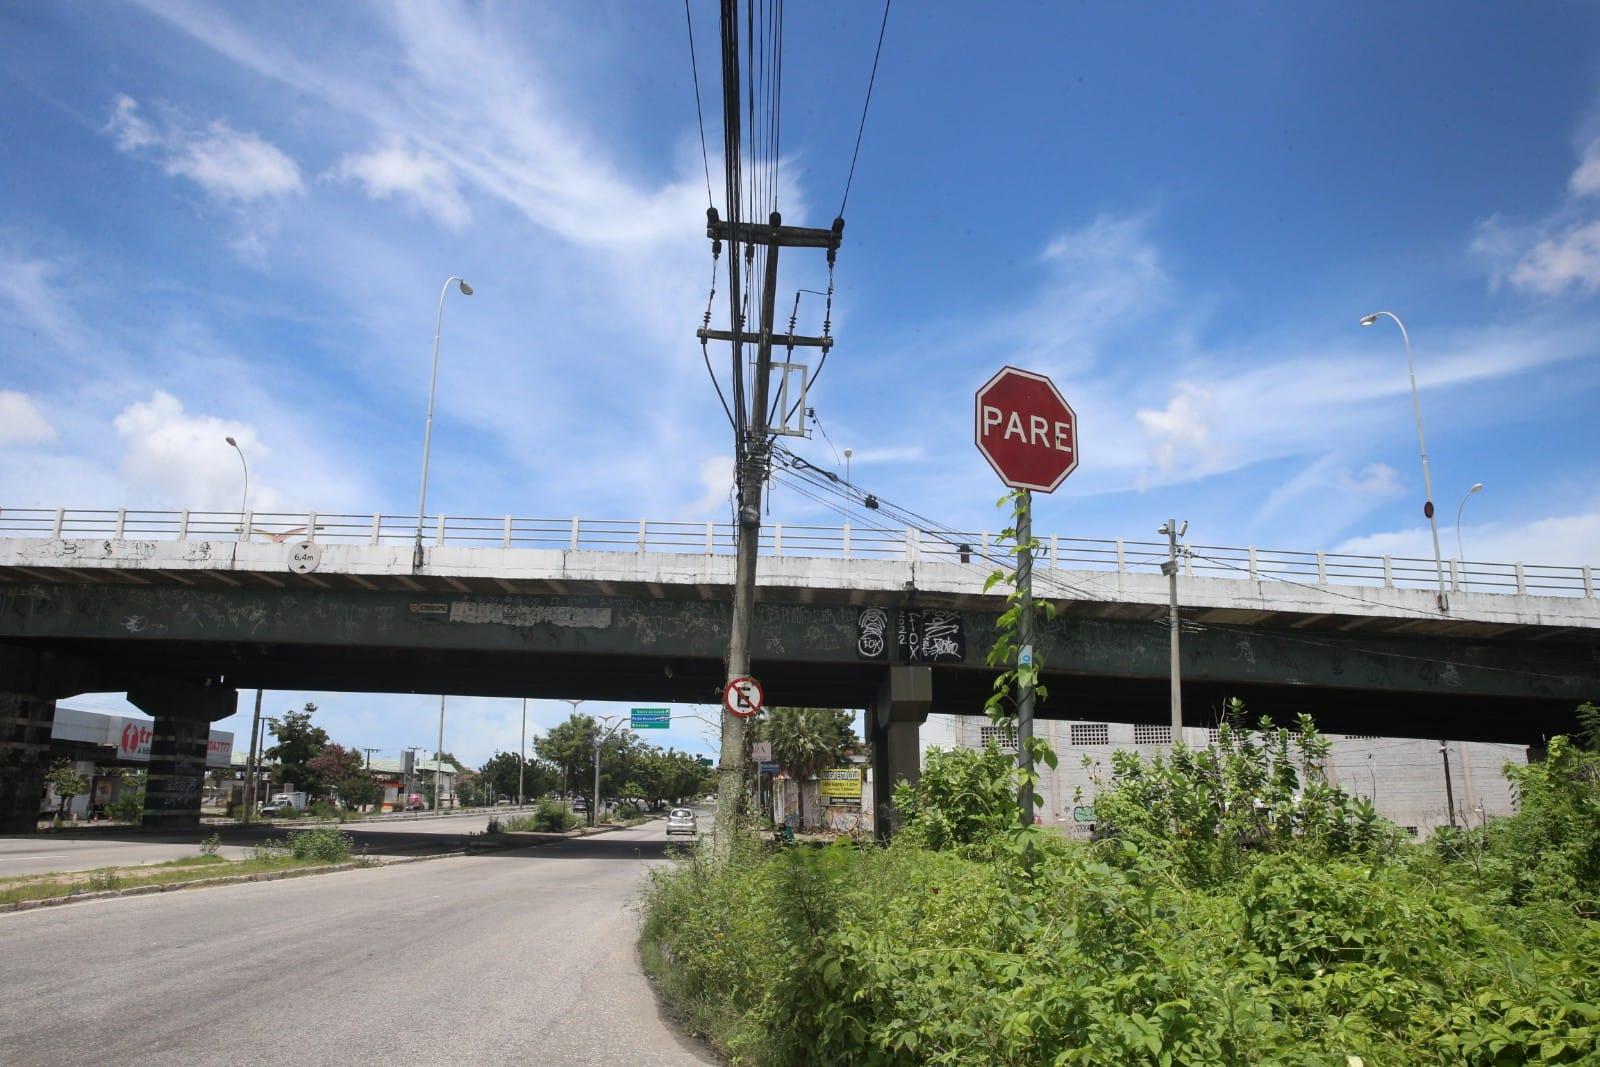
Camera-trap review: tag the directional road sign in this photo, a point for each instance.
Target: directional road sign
(651, 718)
(1026, 430)
(743, 696)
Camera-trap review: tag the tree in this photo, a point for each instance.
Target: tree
(359, 790)
(332, 766)
(808, 740)
(298, 744)
(64, 778)
(570, 746)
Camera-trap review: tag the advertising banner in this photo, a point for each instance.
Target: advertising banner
(844, 782)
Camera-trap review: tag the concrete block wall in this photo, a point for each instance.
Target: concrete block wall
(1403, 777)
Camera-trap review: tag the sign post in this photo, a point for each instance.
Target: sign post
(1029, 434)
(743, 696)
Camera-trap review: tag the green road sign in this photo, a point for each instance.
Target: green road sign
(651, 718)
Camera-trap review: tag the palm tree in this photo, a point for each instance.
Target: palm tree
(808, 740)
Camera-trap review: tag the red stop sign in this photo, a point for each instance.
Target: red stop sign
(1026, 430)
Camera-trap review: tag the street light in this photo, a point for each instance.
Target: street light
(847, 454)
(427, 433)
(1477, 487)
(600, 740)
(244, 500)
(1427, 479)
(522, 753)
(438, 757)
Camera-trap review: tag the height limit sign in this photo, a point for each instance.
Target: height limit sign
(743, 696)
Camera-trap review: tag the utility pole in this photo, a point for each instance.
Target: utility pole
(522, 753)
(250, 764)
(1170, 569)
(751, 431)
(1449, 791)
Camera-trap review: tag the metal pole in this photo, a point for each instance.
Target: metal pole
(1172, 617)
(427, 433)
(1025, 651)
(1449, 792)
(438, 758)
(1461, 553)
(1422, 445)
(594, 807)
(522, 753)
(244, 498)
(250, 764)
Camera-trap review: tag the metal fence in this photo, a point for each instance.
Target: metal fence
(978, 548)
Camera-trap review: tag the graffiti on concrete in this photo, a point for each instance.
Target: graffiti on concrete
(872, 633)
(932, 635)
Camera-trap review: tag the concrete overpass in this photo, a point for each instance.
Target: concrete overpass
(182, 609)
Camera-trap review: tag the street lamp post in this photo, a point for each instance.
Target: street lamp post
(244, 499)
(438, 758)
(599, 741)
(1422, 444)
(847, 454)
(1461, 554)
(427, 433)
(522, 753)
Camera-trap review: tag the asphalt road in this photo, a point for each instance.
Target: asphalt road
(78, 850)
(525, 956)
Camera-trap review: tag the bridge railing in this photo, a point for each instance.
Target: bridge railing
(978, 549)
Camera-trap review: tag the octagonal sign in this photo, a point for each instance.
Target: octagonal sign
(1026, 430)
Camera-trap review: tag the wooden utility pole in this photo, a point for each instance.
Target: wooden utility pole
(751, 432)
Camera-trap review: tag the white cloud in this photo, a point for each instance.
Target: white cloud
(230, 165)
(128, 126)
(1181, 430)
(186, 458)
(21, 422)
(1557, 254)
(424, 179)
(1567, 540)
(716, 479)
(1569, 260)
(1585, 181)
(1375, 479)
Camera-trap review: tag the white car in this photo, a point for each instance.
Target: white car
(681, 821)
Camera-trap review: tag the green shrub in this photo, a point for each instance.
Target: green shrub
(1289, 932)
(326, 844)
(129, 803)
(550, 817)
(964, 799)
(211, 845)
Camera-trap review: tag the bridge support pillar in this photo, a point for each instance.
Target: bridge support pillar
(25, 722)
(183, 714)
(30, 683)
(894, 723)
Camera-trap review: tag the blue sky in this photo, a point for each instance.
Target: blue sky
(236, 219)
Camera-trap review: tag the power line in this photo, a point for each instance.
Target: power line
(705, 158)
(860, 129)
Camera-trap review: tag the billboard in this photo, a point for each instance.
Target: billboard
(841, 782)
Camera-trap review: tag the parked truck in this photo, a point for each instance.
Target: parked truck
(285, 803)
